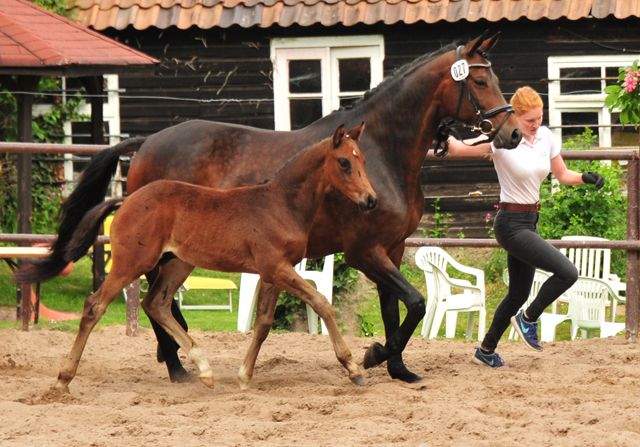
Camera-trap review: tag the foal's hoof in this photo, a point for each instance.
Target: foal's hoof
(374, 356)
(60, 387)
(208, 381)
(358, 380)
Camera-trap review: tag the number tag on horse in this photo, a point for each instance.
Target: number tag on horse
(460, 70)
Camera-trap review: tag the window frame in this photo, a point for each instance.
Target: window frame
(559, 103)
(327, 49)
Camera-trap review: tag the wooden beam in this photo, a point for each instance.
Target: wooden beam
(632, 307)
(28, 84)
(94, 87)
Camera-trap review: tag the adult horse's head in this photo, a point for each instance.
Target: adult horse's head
(345, 168)
(479, 101)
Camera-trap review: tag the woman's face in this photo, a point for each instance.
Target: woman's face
(529, 122)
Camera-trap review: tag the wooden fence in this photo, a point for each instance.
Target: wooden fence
(631, 245)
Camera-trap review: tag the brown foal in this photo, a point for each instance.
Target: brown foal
(260, 229)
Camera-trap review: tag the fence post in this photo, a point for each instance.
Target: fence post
(133, 308)
(632, 307)
(25, 134)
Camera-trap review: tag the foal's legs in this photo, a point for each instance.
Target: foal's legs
(94, 308)
(265, 311)
(157, 304)
(286, 278)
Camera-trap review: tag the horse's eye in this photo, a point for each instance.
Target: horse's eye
(480, 83)
(344, 163)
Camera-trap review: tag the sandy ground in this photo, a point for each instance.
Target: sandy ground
(581, 393)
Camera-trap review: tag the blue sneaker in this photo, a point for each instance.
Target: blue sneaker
(527, 331)
(492, 360)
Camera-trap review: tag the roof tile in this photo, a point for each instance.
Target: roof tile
(142, 14)
(31, 36)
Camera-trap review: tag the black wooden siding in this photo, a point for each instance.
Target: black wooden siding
(233, 64)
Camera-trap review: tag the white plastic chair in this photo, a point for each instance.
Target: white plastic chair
(442, 259)
(471, 300)
(548, 321)
(587, 307)
(595, 263)
(249, 287)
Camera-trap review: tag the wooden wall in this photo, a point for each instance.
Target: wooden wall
(224, 66)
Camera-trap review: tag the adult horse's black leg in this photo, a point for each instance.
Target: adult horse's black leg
(391, 319)
(391, 287)
(167, 347)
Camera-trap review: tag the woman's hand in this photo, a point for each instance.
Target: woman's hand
(593, 178)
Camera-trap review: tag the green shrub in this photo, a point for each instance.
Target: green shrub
(581, 210)
(48, 173)
(289, 307)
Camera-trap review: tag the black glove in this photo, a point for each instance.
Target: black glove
(593, 178)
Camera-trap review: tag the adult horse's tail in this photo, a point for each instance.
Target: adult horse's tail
(78, 243)
(89, 192)
(88, 229)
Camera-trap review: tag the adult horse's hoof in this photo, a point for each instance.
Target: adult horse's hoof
(182, 376)
(208, 381)
(405, 375)
(374, 356)
(358, 380)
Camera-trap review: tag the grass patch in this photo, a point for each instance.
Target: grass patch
(68, 294)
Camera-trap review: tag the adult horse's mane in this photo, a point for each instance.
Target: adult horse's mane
(400, 72)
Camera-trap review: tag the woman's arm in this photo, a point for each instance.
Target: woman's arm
(563, 174)
(457, 147)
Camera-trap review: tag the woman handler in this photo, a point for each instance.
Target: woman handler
(520, 174)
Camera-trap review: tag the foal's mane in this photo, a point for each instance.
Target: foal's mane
(291, 160)
(402, 71)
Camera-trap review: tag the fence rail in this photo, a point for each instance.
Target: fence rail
(632, 244)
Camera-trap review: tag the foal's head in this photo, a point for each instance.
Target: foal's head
(345, 168)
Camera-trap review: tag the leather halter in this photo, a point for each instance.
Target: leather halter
(483, 125)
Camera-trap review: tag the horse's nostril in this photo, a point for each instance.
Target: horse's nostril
(372, 202)
(516, 136)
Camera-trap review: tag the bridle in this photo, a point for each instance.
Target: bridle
(460, 72)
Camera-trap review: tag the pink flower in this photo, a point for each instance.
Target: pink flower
(496, 206)
(63, 186)
(630, 80)
(487, 217)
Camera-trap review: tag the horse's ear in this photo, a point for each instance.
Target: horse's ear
(356, 132)
(338, 135)
(488, 45)
(473, 46)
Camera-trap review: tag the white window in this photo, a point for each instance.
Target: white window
(79, 132)
(314, 76)
(576, 98)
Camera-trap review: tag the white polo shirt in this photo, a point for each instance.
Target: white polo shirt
(522, 170)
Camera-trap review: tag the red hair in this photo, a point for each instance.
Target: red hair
(525, 100)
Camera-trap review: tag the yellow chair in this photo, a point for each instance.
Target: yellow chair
(203, 283)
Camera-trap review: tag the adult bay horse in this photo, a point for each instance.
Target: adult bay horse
(403, 114)
(259, 229)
